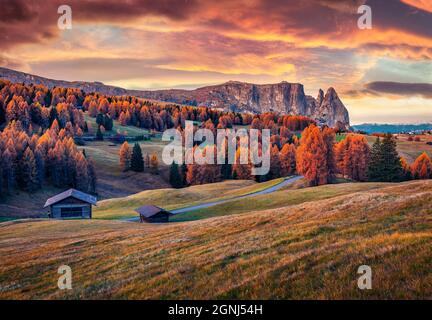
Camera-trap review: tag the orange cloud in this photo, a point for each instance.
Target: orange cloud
(421, 4)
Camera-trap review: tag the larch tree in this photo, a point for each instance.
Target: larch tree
(28, 171)
(312, 156)
(406, 170)
(241, 171)
(287, 160)
(275, 164)
(422, 167)
(352, 157)
(154, 163)
(125, 154)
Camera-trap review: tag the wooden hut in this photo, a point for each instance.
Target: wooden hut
(153, 214)
(71, 204)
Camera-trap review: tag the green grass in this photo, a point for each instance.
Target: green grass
(277, 199)
(171, 199)
(4, 219)
(128, 130)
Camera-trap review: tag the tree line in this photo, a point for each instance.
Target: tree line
(317, 157)
(28, 161)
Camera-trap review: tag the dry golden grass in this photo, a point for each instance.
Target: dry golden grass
(310, 250)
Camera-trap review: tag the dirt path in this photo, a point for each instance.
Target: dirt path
(271, 189)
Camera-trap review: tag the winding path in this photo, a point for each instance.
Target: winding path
(277, 187)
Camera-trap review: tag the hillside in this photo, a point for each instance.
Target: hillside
(283, 97)
(309, 250)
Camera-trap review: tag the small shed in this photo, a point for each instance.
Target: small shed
(71, 204)
(153, 214)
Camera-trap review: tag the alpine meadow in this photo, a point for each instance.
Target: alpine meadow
(215, 154)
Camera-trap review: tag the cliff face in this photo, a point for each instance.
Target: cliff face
(283, 97)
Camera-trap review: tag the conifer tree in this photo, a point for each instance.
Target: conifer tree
(81, 173)
(99, 135)
(376, 161)
(154, 163)
(137, 161)
(392, 169)
(287, 160)
(183, 173)
(385, 164)
(422, 167)
(28, 179)
(406, 170)
(125, 156)
(315, 157)
(91, 176)
(175, 177)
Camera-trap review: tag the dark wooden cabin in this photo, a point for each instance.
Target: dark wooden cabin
(71, 204)
(153, 214)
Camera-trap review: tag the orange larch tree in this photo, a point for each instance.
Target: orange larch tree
(422, 167)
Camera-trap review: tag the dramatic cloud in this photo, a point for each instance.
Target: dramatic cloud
(395, 89)
(186, 43)
(398, 88)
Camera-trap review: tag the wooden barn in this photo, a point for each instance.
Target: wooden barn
(71, 204)
(153, 214)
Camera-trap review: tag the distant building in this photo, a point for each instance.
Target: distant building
(153, 214)
(71, 204)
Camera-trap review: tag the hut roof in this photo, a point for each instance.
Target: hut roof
(150, 210)
(71, 193)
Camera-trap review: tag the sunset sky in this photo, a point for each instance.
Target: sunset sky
(382, 75)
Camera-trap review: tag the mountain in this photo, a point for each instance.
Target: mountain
(283, 97)
(392, 128)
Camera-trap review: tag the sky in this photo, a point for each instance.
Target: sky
(382, 74)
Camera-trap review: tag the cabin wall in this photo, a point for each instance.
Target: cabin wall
(158, 218)
(62, 210)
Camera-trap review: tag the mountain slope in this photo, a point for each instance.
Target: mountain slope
(310, 250)
(283, 97)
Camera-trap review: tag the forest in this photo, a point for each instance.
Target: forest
(41, 128)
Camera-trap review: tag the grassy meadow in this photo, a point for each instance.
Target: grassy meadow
(177, 198)
(309, 250)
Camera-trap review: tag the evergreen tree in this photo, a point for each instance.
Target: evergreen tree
(137, 161)
(100, 119)
(99, 135)
(226, 170)
(392, 170)
(175, 177)
(108, 123)
(376, 161)
(183, 171)
(385, 163)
